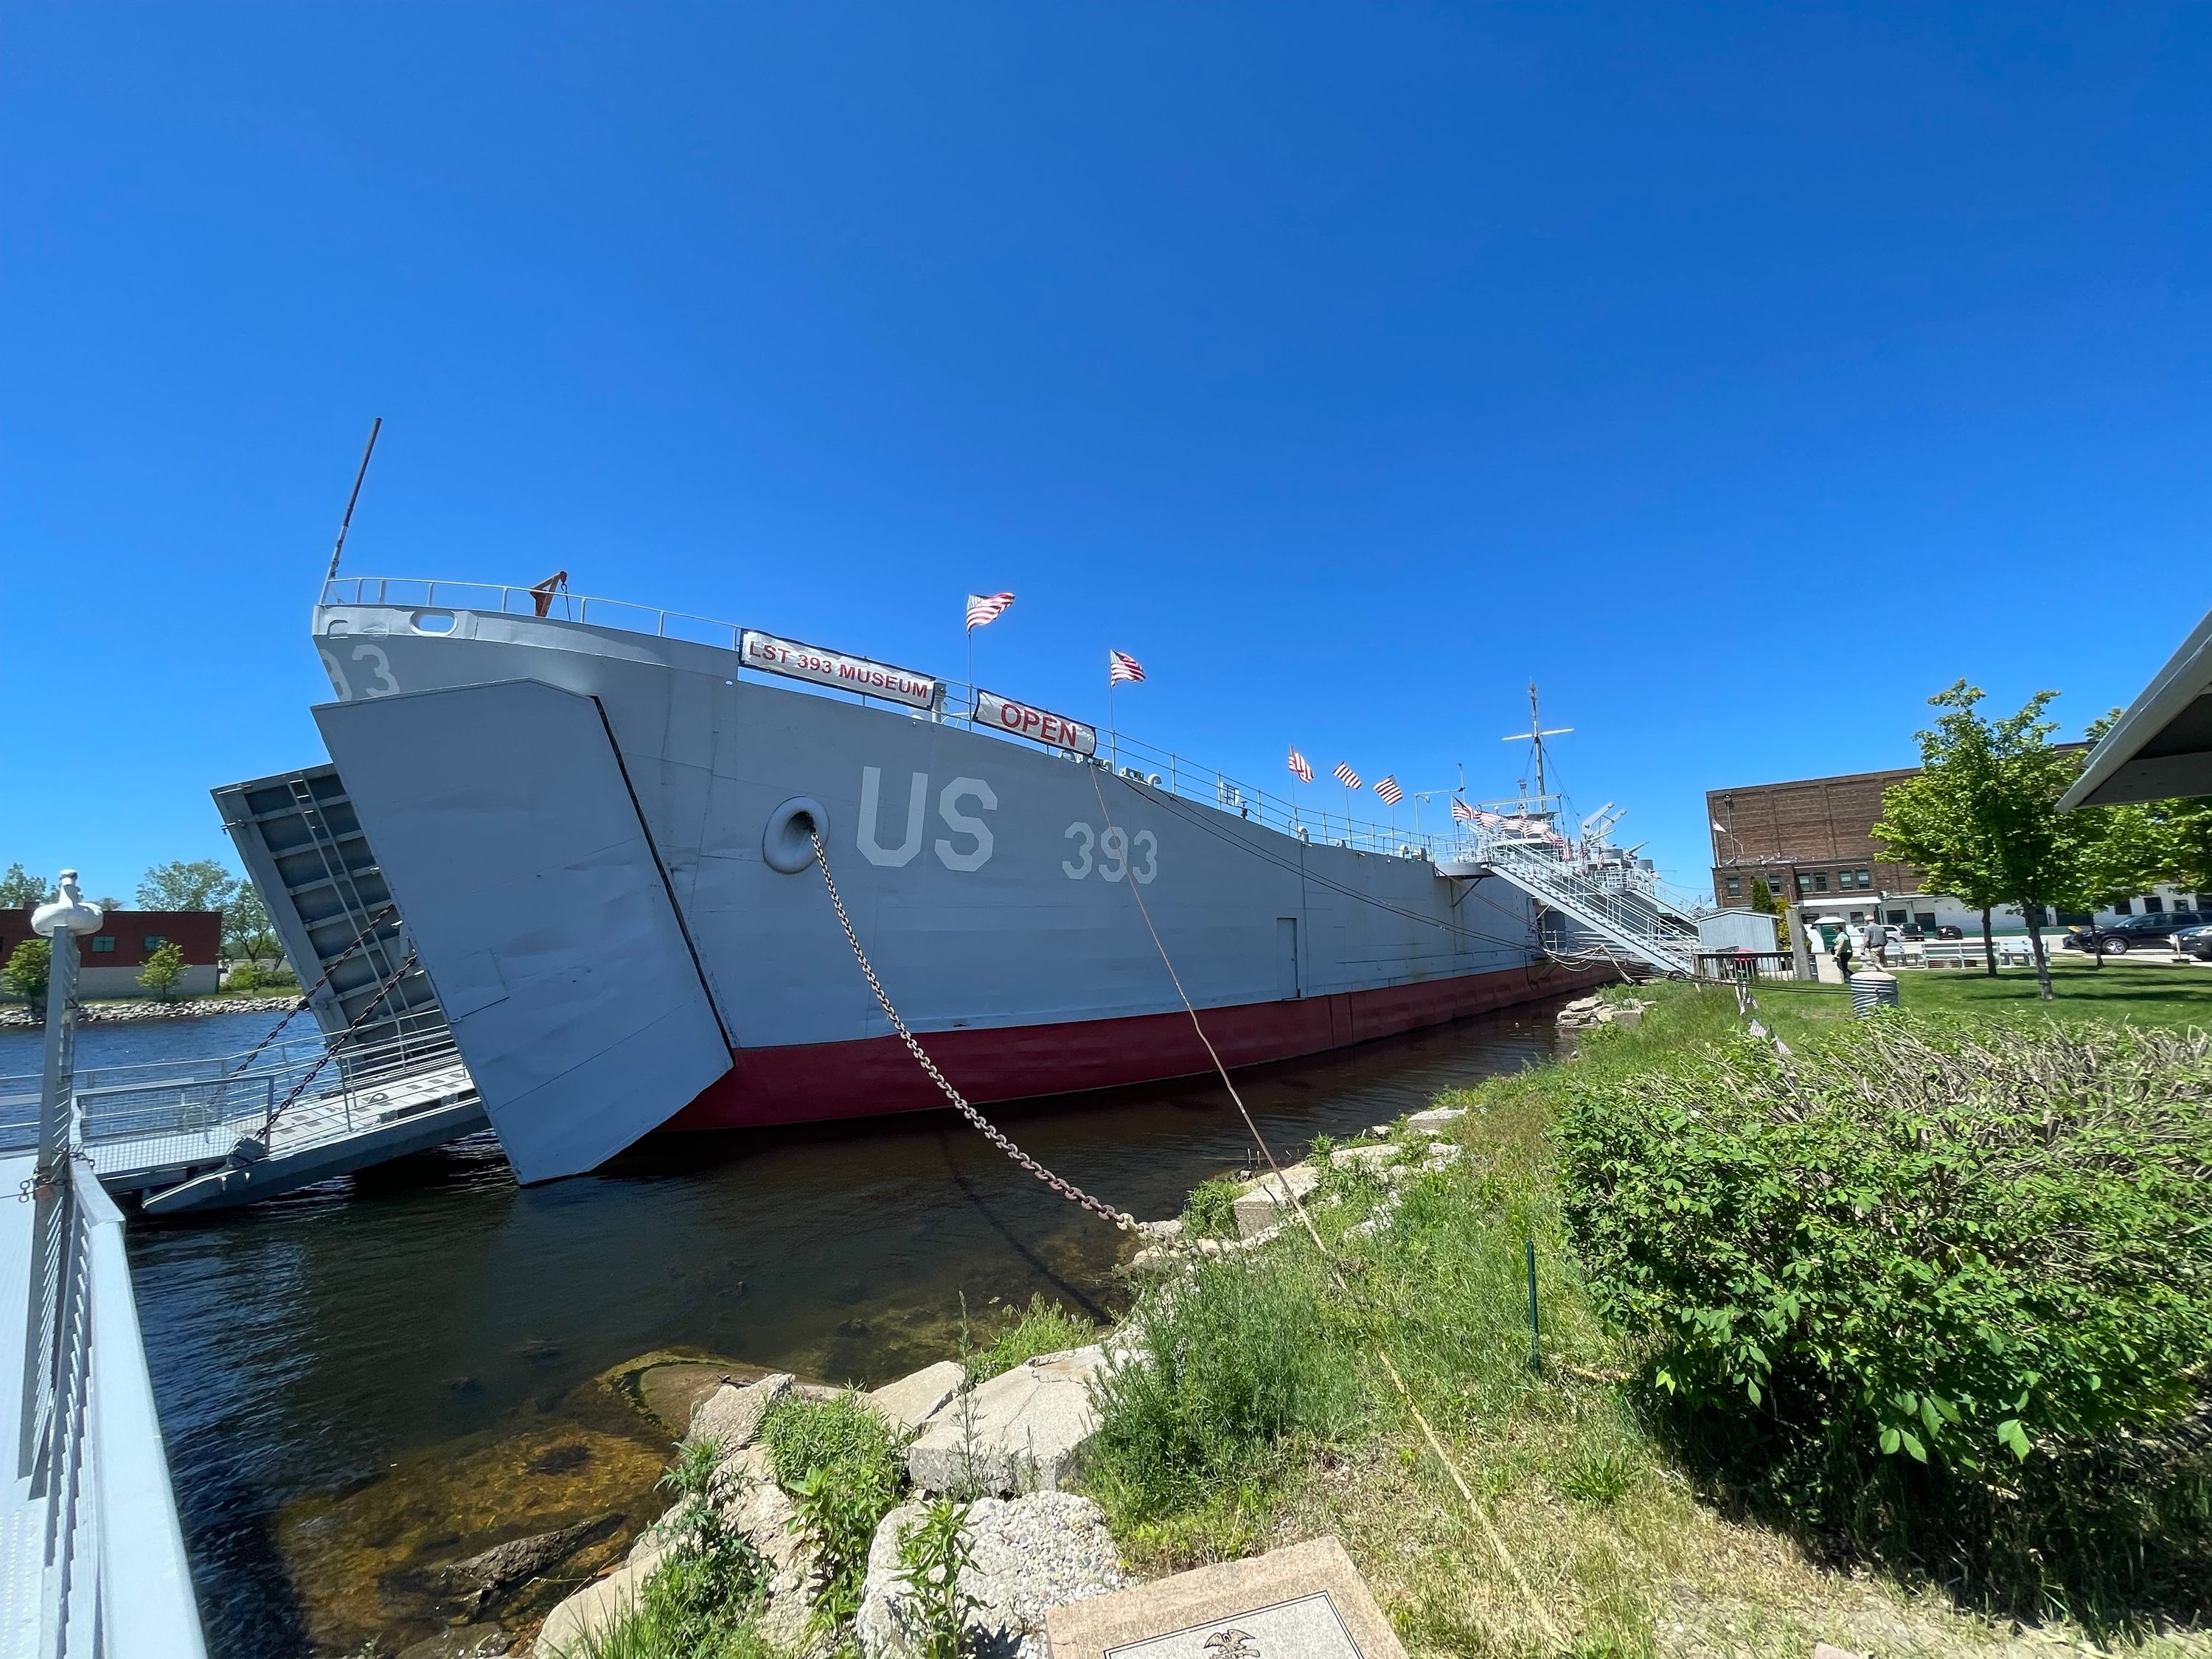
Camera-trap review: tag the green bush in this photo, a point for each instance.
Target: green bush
(840, 1464)
(1042, 1327)
(1206, 1213)
(1227, 1373)
(1917, 1269)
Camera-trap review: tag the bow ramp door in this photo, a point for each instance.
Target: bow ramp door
(503, 822)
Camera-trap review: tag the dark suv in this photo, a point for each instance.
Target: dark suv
(2150, 933)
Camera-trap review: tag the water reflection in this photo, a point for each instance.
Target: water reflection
(313, 1345)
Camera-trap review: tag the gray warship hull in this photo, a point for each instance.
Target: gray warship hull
(597, 837)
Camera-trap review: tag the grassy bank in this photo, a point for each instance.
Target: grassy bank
(1262, 1414)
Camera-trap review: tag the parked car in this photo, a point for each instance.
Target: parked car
(2150, 933)
(2195, 941)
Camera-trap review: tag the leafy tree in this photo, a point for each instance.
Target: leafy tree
(27, 968)
(20, 889)
(187, 884)
(246, 934)
(162, 970)
(1981, 820)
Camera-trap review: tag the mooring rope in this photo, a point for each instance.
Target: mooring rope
(991, 1132)
(1435, 1444)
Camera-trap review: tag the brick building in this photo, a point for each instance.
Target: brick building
(113, 956)
(1811, 841)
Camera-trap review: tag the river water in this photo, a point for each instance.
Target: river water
(360, 1378)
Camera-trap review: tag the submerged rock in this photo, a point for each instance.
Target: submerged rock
(1021, 1431)
(462, 1642)
(486, 1578)
(1030, 1554)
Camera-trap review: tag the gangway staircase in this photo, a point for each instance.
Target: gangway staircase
(1611, 907)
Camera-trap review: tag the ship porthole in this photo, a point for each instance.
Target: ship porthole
(787, 843)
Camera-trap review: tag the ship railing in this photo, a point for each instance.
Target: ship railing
(1298, 813)
(167, 1116)
(1304, 812)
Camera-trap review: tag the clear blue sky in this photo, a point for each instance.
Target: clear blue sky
(1743, 375)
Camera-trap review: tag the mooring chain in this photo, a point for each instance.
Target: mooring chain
(300, 1007)
(330, 1054)
(991, 1132)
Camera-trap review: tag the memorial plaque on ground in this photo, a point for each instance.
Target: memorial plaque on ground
(1307, 1601)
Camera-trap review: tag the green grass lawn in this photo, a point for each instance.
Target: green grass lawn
(2148, 993)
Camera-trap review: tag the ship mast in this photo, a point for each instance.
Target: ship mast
(1534, 737)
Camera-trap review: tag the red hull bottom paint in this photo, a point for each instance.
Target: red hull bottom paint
(812, 1082)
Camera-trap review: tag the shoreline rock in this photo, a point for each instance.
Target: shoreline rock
(1041, 1550)
(17, 1017)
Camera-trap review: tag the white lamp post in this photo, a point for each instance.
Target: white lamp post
(61, 922)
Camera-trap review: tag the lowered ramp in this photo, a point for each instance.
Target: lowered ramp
(530, 888)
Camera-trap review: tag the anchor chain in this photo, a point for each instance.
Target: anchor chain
(1066, 1189)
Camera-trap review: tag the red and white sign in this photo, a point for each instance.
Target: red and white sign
(810, 662)
(1004, 714)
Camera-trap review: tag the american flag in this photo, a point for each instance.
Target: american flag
(1121, 665)
(1301, 768)
(1346, 776)
(1461, 811)
(1387, 791)
(985, 607)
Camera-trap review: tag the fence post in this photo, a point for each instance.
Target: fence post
(1536, 1332)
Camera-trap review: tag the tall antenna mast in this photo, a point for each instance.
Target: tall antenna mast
(1534, 737)
(346, 522)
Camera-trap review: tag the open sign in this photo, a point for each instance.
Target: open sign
(1004, 714)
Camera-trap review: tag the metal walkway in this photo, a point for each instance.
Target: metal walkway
(204, 1134)
(1618, 909)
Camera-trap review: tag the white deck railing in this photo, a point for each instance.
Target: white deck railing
(1304, 814)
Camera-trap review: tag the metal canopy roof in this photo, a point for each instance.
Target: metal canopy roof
(2162, 746)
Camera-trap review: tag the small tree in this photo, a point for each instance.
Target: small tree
(1982, 819)
(187, 884)
(162, 970)
(1766, 904)
(20, 889)
(27, 969)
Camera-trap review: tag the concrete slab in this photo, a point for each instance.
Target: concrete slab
(1367, 1157)
(1267, 1200)
(912, 1401)
(1021, 1431)
(1436, 1120)
(1307, 1601)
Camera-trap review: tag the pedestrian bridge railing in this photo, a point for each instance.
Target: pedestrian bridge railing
(93, 1558)
(142, 1124)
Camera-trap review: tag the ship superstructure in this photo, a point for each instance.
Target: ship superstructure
(597, 820)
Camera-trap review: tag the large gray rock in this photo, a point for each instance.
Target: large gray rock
(1030, 1554)
(1369, 1155)
(730, 1416)
(1022, 1430)
(588, 1615)
(1436, 1120)
(909, 1402)
(1268, 1200)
